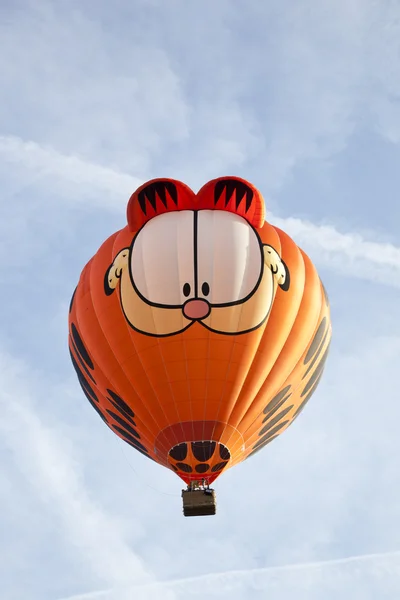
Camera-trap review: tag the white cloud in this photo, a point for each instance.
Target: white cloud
(95, 100)
(108, 189)
(346, 253)
(43, 454)
(74, 177)
(71, 84)
(46, 455)
(312, 578)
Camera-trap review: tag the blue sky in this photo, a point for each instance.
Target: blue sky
(302, 99)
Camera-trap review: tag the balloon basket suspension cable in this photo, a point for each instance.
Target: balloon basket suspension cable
(199, 499)
(140, 478)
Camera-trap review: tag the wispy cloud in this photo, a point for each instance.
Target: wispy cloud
(42, 164)
(71, 84)
(347, 253)
(43, 454)
(305, 575)
(94, 102)
(101, 187)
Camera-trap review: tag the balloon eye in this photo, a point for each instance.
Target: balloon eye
(205, 288)
(186, 289)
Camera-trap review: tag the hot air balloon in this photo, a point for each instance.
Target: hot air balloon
(199, 331)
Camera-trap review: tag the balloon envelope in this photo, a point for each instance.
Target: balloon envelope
(199, 331)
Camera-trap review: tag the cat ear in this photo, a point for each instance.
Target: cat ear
(156, 197)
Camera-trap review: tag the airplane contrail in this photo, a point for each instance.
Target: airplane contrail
(230, 576)
(347, 253)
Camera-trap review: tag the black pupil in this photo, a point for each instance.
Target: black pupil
(186, 289)
(205, 288)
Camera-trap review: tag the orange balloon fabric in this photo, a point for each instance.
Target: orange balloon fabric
(199, 331)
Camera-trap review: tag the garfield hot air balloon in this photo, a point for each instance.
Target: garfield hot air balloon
(199, 331)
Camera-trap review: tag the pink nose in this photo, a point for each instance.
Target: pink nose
(196, 309)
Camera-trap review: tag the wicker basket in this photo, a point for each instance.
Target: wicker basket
(198, 503)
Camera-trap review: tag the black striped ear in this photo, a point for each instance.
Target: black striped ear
(235, 195)
(148, 195)
(233, 188)
(156, 197)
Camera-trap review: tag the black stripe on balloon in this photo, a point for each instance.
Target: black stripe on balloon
(179, 452)
(325, 294)
(125, 415)
(72, 299)
(268, 440)
(268, 436)
(84, 367)
(81, 347)
(315, 359)
(276, 399)
(276, 408)
(203, 451)
(219, 466)
(203, 468)
(319, 334)
(129, 438)
(82, 380)
(85, 387)
(123, 423)
(141, 450)
(275, 420)
(123, 407)
(306, 399)
(224, 452)
(318, 371)
(184, 467)
(95, 406)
